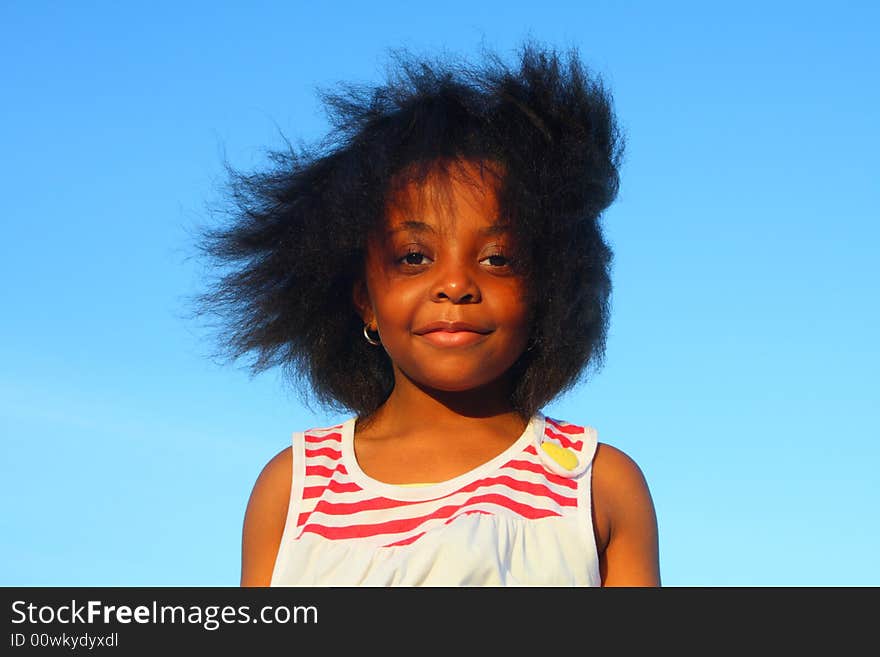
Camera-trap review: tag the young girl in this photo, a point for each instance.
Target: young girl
(437, 268)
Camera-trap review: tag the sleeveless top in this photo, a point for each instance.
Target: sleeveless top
(522, 518)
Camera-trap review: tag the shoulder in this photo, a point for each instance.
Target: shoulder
(264, 520)
(617, 480)
(617, 483)
(274, 479)
(625, 519)
(614, 470)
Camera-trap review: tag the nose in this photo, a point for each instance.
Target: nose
(456, 284)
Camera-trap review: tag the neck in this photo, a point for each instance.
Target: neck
(411, 403)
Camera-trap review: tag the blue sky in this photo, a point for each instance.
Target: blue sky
(742, 356)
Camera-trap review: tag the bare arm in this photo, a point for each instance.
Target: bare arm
(627, 521)
(264, 520)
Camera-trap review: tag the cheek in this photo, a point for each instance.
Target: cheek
(395, 304)
(512, 304)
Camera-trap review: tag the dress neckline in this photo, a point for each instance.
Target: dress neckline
(531, 434)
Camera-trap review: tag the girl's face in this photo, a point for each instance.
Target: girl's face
(450, 311)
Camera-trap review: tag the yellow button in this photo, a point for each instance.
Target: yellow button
(564, 457)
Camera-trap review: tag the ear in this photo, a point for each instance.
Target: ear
(360, 296)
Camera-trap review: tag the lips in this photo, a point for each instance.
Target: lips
(452, 334)
(451, 327)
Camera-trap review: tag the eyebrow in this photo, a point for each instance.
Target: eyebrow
(496, 228)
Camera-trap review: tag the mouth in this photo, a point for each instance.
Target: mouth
(444, 326)
(452, 334)
(453, 338)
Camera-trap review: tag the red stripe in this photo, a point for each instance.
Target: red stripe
(323, 471)
(538, 490)
(472, 512)
(406, 541)
(531, 466)
(337, 437)
(563, 440)
(413, 539)
(380, 503)
(565, 427)
(334, 454)
(408, 524)
(310, 492)
(344, 508)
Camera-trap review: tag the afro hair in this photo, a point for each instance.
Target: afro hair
(294, 241)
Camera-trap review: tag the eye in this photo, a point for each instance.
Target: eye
(496, 260)
(414, 258)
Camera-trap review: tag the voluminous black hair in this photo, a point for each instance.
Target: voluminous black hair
(294, 243)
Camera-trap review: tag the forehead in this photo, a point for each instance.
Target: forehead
(443, 197)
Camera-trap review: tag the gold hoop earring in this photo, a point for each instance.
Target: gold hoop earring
(373, 341)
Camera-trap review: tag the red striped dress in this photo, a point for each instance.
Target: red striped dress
(520, 519)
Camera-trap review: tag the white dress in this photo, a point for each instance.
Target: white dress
(521, 519)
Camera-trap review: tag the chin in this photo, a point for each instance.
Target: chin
(453, 381)
(455, 386)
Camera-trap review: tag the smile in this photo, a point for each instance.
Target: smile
(453, 338)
